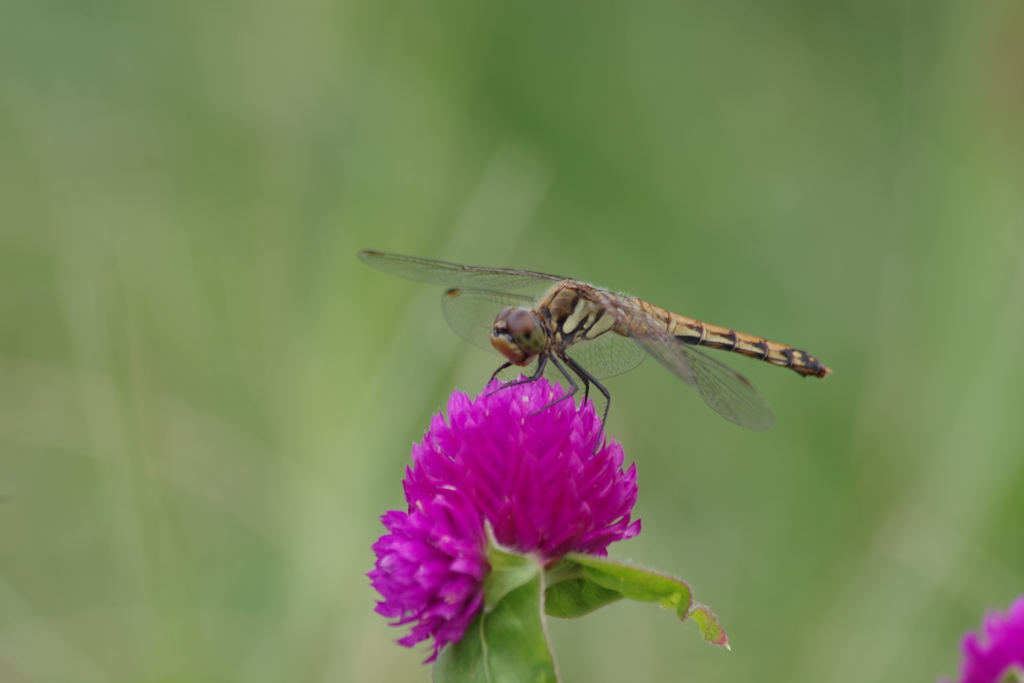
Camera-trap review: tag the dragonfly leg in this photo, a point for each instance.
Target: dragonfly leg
(574, 388)
(541, 364)
(503, 366)
(574, 366)
(587, 379)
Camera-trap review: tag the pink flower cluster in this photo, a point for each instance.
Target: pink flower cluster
(537, 473)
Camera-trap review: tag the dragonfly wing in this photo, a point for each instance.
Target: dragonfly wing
(471, 312)
(452, 274)
(608, 355)
(729, 393)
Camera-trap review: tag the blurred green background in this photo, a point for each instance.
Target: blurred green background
(206, 400)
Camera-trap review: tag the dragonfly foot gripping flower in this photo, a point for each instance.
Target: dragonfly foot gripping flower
(512, 502)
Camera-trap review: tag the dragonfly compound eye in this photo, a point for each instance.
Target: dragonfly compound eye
(526, 331)
(518, 335)
(503, 315)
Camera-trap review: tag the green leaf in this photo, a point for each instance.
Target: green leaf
(575, 597)
(508, 572)
(707, 622)
(1013, 675)
(635, 583)
(506, 645)
(582, 583)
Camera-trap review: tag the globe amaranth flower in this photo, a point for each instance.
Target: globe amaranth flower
(540, 475)
(989, 656)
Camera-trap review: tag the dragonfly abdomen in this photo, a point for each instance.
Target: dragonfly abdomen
(697, 333)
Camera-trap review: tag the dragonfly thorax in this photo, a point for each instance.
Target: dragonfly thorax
(519, 334)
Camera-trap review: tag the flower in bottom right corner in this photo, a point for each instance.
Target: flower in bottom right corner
(997, 653)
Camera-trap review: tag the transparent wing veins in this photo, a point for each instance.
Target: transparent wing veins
(453, 274)
(726, 391)
(470, 312)
(608, 355)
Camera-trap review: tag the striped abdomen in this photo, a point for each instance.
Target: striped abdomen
(695, 332)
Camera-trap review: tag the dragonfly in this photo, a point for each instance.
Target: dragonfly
(589, 333)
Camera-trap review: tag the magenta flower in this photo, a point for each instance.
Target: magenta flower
(544, 482)
(989, 657)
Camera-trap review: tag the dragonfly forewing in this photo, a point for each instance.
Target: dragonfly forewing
(454, 275)
(470, 312)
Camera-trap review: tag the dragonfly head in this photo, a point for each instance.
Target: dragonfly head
(518, 335)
